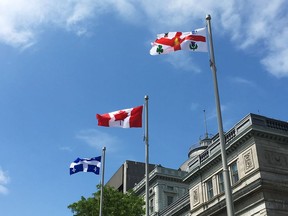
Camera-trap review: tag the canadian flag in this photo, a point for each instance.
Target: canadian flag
(126, 118)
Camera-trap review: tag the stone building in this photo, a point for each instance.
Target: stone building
(257, 157)
(165, 187)
(128, 175)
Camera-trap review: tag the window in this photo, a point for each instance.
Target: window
(234, 172)
(209, 186)
(169, 200)
(221, 182)
(151, 206)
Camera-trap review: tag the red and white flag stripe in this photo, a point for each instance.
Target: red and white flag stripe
(126, 118)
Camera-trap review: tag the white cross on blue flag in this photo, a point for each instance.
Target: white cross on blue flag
(86, 165)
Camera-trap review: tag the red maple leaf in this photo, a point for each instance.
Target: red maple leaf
(121, 115)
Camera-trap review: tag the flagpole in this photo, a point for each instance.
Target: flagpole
(227, 185)
(102, 180)
(147, 155)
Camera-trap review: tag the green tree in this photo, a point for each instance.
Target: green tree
(115, 203)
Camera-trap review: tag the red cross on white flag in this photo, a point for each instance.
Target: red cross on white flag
(174, 41)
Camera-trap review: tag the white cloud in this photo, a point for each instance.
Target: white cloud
(262, 27)
(276, 63)
(21, 21)
(241, 80)
(4, 180)
(256, 26)
(65, 148)
(3, 190)
(183, 61)
(125, 9)
(277, 47)
(98, 139)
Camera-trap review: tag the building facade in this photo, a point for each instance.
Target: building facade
(165, 187)
(257, 157)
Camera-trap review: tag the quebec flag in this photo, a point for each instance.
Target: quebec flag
(86, 165)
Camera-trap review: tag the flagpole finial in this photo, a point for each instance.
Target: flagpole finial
(208, 17)
(104, 148)
(146, 97)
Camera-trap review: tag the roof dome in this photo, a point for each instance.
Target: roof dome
(194, 151)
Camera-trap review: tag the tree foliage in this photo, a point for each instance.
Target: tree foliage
(115, 203)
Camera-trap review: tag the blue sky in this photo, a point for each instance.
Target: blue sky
(64, 61)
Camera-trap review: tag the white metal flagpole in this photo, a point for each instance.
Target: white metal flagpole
(147, 155)
(102, 180)
(227, 185)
